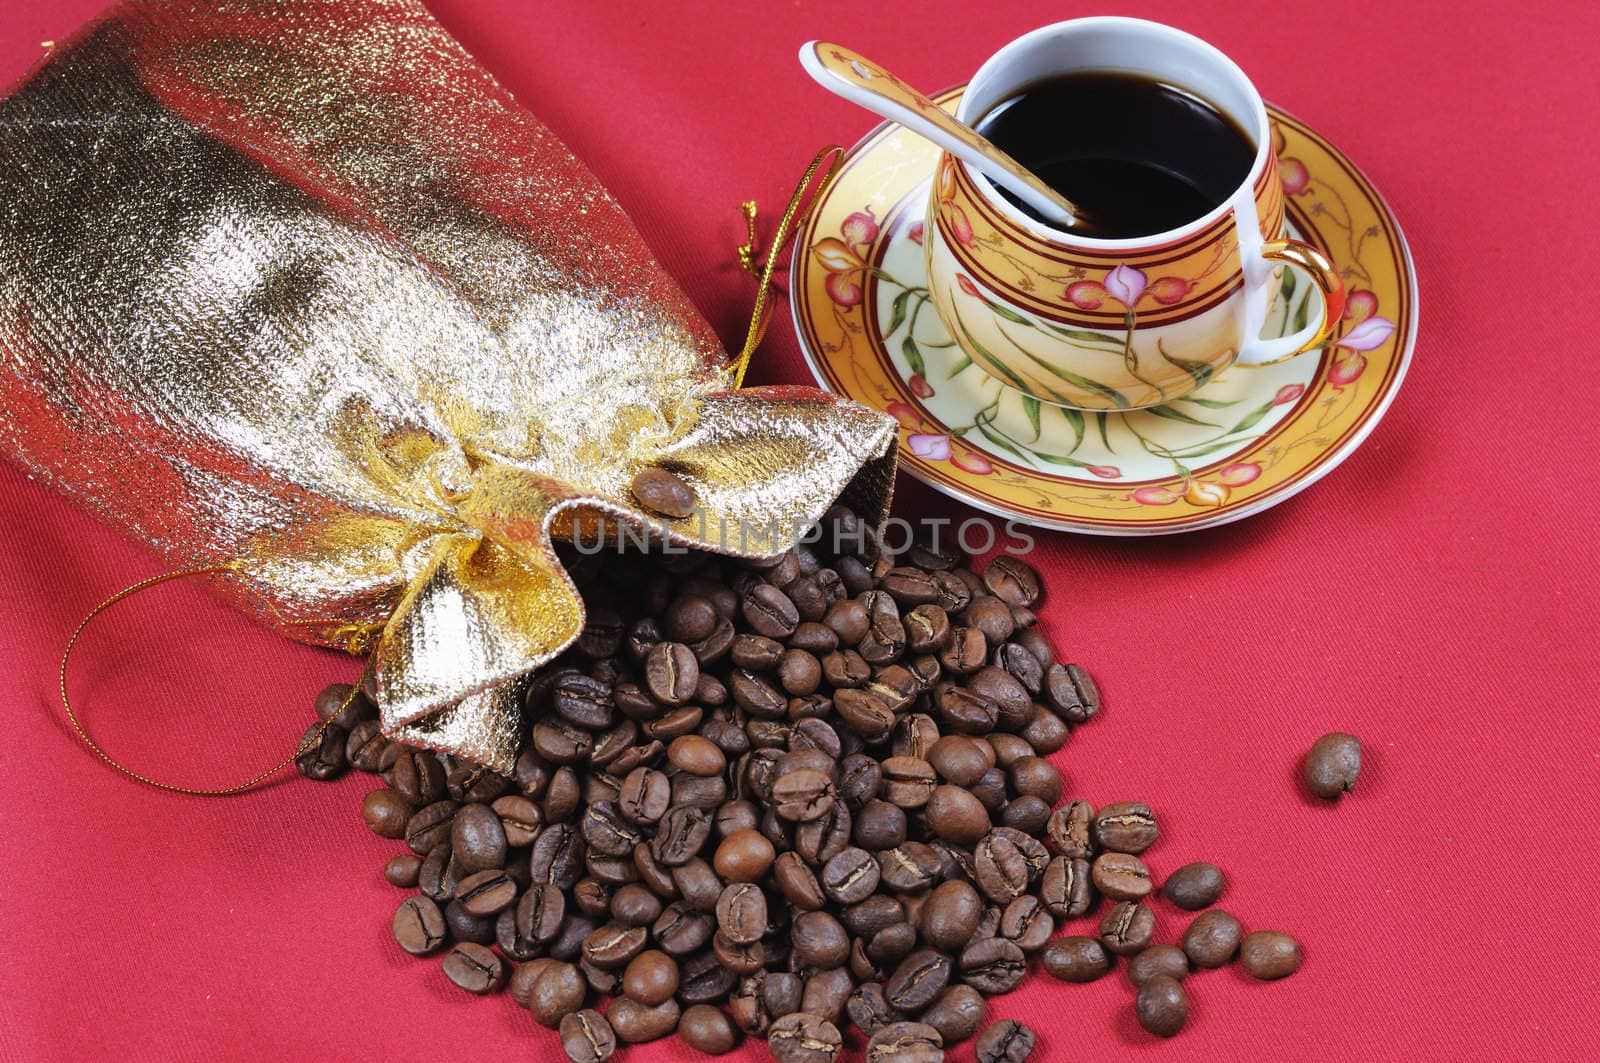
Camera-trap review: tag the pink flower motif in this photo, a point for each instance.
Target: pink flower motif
(1105, 472)
(842, 289)
(920, 386)
(906, 415)
(1125, 284)
(1347, 370)
(914, 234)
(836, 256)
(1086, 295)
(859, 228)
(932, 447)
(960, 227)
(1294, 175)
(966, 285)
(1239, 473)
(1288, 393)
(973, 462)
(1369, 334)
(1170, 290)
(1156, 496)
(1360, 305)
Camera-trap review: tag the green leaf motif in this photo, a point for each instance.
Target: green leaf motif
(1200, 371)
(1288, 284)
(1210, 404)
(1208, 448)
(1301, 316)
(897, 314)
(1030, 406)
(1252, 419)
(959, 367)
(1005, 313)
(1000, 441)
(908, 347)
(1075, 421)
(1076, 380)
(1105, 440)
(1177, 415)
(1086, 338)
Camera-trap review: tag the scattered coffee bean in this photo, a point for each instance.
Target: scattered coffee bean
(956, 1013)
(1269, 954)
(1194, 886)
(475, 968)
(1162, 1006)
(1120, 876)
(1127, 928)
(587, 1037)
(1007, 1041)
(905, 1042)
(1212, 939)
(419, 926)
(1125, 827)
(706, 1029)
(1075, 959)
(1169, 960)
(635, 1023)
(1333, 764)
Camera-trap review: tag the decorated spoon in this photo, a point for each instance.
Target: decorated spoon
(861, 81)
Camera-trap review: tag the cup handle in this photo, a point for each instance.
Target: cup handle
(1315, 264)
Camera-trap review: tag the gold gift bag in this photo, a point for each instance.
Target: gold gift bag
(293, 285)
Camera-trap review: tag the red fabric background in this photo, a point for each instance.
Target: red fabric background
(1436, 595)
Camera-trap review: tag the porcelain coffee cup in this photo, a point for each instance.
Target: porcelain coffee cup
(1103, 324)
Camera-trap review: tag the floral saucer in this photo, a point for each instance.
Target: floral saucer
(1244, 442)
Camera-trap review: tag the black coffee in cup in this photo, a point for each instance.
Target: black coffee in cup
(1137, 155)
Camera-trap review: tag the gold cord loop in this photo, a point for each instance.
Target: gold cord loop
(799, 208)
(72, 717)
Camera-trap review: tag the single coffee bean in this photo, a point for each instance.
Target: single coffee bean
(908, 782)
(819, 940)
(797, 882)
(1026, 922)
(1071, 692)
(1333, 764)
(1212, 939)
(920, 978)
(1268, 954)
(631, 905)
(956, 816)
(960, 759)
(906, 1042)
(742, 913)
(1075, 959)
(419, 926)
(1045, 731)
(909, 868)
(1125, 827)
(540, 913)
(803, 795)
(769, 611)
(744, 856)
(347, 711)
(879, 825)
(663, 492)
(475, 968)
(1007, 1041)
(950, 916)
(1071, 828)
(403, 870)
(1162, 1006)
(850, 876)
(321, 753)
(801, 1037)
(583, 701)
(1027, 814)
(1000, 868)
(956, 1013)
(614, 945)
(558, 990)
(520, 819)
(1022, 666)
(586, 1037)
(1127, 928)
(365, 746)
(387, 813)
(645, 795)
(781, 992)
(486, 892)
(1011, 580)
(993, 965)
(635, 1023)
(1166, 960)
(605, 830)
(1194, 886)
(1065, 888)
(523, 975)
(1120, 876)
(683, 831)
(671, 672)
(992, 617)
(706, 1029)
(651, 977)
(704, 980)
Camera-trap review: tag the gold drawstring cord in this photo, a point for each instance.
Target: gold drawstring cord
(128, 592)
(799, 208)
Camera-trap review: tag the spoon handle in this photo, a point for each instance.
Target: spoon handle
(867, 84)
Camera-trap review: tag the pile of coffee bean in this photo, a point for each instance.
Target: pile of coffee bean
(776, 800)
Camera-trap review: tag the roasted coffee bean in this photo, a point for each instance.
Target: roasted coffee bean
(850, 876)
(906, 1042)
(520, 984)
(991, 616)
(1036, 777)
(909, 587)
(475, 968)
(1269, 954)
(651, 977)
(388, 814)
(908, 782)
(682, 833)
(872, 915)
(602, 633)
(663, 492)
(927, 628)
(816, 639)
(1045, 731)
(703, 979)
(631, 905)
(614, 945)
(365, 746)
(1162, 1006)
(1071, 692)
(797, 882)
(321, 753)
(956, 816)
(1125, 827)
(645, 796)
(561, 795)
(1026, 814)
(1022, 666)
(587, 1037)
(560, 742)
(879, 825)
(1075, 959)
(799, 672)
(961, 760)
(347, 711)
(583, 702)
(744, 856)
(1000, 868)
(956, 1013)
(781, 992)
(1333, 765)
(864, 713)
(419, 926)
(605, 830)
(1167, 960)
(689, 618)
(950, 916)
(567, 945)
(740, 959)
(801, 1037)
(1011, 580)
(819, 940)
(486, 892)
(440, 874)
(464, 926)
(1120, 876)
(742, 913)
(1194, 886)
(706, 1029)
(557, 991)
(891, 944)
(635, 1023)
(478, 838)
(1071, 828)
(920, 978)
(803, 795)
(1026, 922)
(909, 868)
(1127, 927)
(1212, 939)
(826, 993)
(403, 870)
(868, 1009)
(1007, 1041)
(993, 965)
(557, 856)
(520, 819)
(671, 672)
(769, 611)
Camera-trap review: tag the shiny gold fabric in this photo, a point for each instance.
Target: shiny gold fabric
(295, 282)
